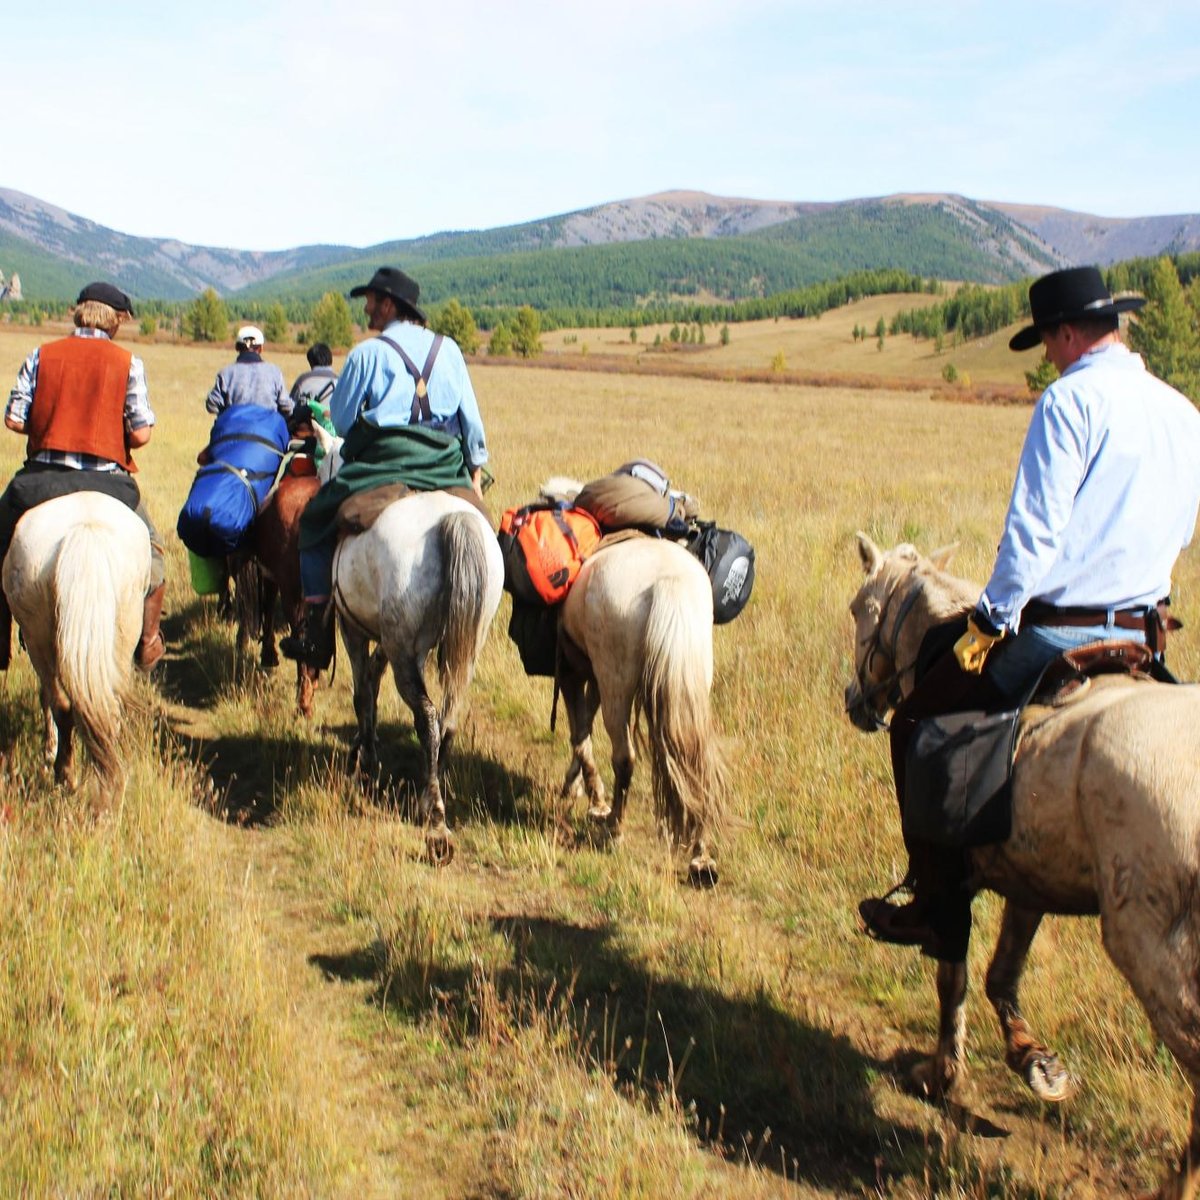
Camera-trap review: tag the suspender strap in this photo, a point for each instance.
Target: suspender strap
(421, 412)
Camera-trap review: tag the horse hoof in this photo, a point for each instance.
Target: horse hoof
(439, 848)
(1047, 1078)
(929, 1085)
(599, 812)
(702, 872)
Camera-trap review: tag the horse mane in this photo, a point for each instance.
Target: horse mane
(946, 595)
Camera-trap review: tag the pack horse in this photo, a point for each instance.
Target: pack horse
(637, 628)
(1105, 821)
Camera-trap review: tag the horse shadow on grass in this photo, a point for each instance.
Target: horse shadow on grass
(252, 774)
(754, 1083)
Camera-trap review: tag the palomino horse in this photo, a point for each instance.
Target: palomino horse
(1104, 820)
(75, 577)
(638, 623)
(427, 575)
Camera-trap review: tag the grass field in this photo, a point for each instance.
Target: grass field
(198, 1002)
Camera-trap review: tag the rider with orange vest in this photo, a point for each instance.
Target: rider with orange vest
(82, 403)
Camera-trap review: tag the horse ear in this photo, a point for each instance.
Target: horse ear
(942, 556)
(870, 553)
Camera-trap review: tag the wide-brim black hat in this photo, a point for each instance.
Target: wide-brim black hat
(391, 281)
(1076, 294)
(106, 293)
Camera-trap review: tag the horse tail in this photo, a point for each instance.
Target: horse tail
(686, 765)
(90, 670)
(464, 601)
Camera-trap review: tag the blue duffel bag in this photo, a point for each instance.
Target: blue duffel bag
(245, 447)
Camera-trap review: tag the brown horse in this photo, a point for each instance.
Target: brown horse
(269, 569)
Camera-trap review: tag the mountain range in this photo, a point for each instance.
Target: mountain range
(613, 254)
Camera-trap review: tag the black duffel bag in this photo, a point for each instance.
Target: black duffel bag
(729, 560)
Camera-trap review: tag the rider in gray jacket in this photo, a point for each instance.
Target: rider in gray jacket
(249, 380)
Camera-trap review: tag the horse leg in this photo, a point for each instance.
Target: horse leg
(620, 733)
(581, 699)
(50, 737)
(268, 591)
(366, 671)
(937, 1077)
(410, 683)
(1183, 1181)
(64, 760)
(1046, 1077)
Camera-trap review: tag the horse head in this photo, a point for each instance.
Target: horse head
(902, 595)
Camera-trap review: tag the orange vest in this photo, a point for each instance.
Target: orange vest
(79, 399)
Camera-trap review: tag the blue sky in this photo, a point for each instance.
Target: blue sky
(269, 124)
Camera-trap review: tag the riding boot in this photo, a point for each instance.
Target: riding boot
(5, 633)
(152, 645)
(313, 645)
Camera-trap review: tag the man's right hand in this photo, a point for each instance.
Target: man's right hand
(976, 644)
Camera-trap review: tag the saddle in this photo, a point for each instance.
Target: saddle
(1068, 676)
(358, 512)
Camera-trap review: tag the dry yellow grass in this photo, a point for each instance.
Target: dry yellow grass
(545, 1018)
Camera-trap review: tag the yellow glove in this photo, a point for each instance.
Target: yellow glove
(973, 647)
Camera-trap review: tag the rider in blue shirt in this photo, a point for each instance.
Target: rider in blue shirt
(405, 405)
(1105, 498)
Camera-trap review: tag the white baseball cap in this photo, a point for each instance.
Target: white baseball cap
(251, 333)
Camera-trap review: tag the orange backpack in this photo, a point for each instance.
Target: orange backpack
(544, 546)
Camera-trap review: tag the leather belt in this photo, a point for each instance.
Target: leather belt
(1155, 621)
(1037, 613)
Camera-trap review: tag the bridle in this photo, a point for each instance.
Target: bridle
(890, 685)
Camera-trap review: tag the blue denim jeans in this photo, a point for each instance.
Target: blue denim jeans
(1016, 664)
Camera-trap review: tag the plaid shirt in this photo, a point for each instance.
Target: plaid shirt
(137, 409)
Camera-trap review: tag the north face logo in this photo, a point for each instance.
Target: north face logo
(736, 579)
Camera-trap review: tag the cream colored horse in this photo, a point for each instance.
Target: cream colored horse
(639, 621)
(1106, 819)
(75, 577)
(427, 575)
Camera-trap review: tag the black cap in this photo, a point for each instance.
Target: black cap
(1076, 294)
(391, 281)
(105, 293)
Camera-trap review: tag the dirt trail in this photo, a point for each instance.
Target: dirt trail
(372, 1084)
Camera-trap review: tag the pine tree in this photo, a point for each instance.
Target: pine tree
(526, 337)
(1166, 333)
(331, 322)
(455, 321)
(275, 324)
(207, 318)
(501, 341)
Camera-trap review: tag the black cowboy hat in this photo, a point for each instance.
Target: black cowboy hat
(1076, 294)
(391, 281)
(105, 293)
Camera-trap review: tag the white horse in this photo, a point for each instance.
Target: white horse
(427, 575)
(638, 640)
(75, 577)
(1105, 819)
